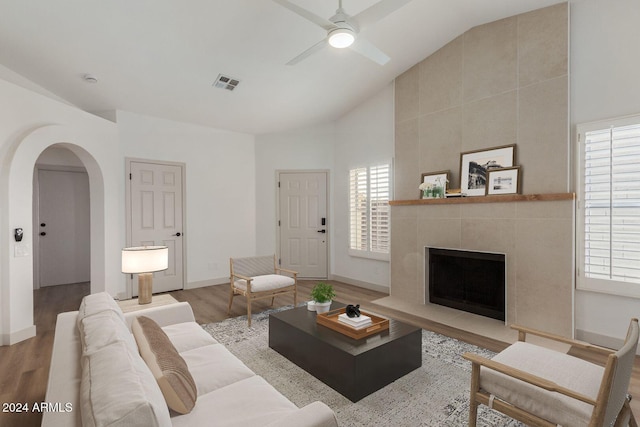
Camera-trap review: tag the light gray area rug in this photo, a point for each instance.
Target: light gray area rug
(437, 394)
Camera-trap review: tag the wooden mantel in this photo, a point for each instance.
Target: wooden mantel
(503, 198)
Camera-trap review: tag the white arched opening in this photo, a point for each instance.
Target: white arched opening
(17, 283)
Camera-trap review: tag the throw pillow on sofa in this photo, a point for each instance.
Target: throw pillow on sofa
(166, 364)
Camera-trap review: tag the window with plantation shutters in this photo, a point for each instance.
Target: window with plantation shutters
(369, 211)
(609, 206)
(358, 195)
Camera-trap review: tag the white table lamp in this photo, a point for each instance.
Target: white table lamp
(143, 261)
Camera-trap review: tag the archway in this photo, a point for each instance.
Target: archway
(17, 282)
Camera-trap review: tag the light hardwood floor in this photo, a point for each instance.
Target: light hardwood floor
(24, 367)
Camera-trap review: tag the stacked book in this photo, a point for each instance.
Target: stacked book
(355, 322)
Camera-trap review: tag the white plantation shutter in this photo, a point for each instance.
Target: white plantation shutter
(358, 208)
(379, 208)
(369, 195)
(610, 208)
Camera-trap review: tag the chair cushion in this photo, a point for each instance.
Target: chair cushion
(564, 370)
(166, 365)
(267, 282)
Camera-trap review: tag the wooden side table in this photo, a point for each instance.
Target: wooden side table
(130, 305)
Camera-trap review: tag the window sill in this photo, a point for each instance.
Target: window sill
(369, 255)
(616, 289)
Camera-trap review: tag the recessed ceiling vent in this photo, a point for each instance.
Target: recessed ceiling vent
(226, 82)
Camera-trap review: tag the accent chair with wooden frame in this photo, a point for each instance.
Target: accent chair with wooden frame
(543, 387)
(260, 277)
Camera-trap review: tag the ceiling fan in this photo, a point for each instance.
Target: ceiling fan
(342, 29)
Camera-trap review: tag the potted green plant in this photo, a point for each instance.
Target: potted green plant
(322, 295)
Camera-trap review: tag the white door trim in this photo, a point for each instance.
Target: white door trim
(127, 203)
(329, 221)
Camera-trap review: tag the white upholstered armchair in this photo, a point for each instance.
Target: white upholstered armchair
(260, 277)
(542, 387)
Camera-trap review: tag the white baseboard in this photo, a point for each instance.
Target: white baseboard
(360, 283)
(16, 337)
(208, 282)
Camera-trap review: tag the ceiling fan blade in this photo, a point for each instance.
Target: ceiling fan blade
(368, 50)
(322, 22)
(378, 11)
(313, 49)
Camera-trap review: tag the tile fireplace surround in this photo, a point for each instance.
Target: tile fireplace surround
(505, 82)
(536, 237)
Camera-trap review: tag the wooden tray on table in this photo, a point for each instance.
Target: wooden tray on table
(331, 321)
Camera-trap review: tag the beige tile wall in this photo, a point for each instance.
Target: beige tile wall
(500, 83)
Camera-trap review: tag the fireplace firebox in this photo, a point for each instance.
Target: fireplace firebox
(467, 280)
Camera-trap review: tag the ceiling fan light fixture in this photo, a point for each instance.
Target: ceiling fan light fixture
(341, 38)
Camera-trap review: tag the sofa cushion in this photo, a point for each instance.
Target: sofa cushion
(103, 328)
(166, 365)
(249, 402)
(214, 367)
(564, 370)
(187, 336)
(97, 303)
(117, 388)
(267, 282)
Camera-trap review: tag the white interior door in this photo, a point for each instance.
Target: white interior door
(156, 217)
(303, 223)
(63, 227)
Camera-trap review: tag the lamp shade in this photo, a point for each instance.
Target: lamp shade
(145, 259)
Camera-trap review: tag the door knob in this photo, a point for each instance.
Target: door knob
(42, 224)
(43, 233)
(322, 231)
(178, 234)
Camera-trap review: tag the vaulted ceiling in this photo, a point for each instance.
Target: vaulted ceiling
(161, 57)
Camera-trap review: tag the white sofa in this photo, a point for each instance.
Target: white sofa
(98, 378)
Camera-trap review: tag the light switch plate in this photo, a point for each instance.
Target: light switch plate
(21, 250)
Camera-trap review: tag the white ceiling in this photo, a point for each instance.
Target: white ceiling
(160, 57)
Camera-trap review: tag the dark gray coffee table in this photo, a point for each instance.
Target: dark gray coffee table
(354, 368)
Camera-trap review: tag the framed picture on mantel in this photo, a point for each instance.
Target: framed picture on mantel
(475, 165)
(433, 185)
(503, 181)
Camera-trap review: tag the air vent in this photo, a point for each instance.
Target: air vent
(226, 82)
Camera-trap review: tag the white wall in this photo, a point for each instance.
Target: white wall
(364, 136)
(301, 149)
(220, 183)
(30, 123)
(220, 192)
(604, 84)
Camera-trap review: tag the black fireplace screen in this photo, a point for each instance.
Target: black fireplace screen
(467, 280)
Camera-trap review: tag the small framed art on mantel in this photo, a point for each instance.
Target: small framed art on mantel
(503, 181)
(433, 185)
(474, 166)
